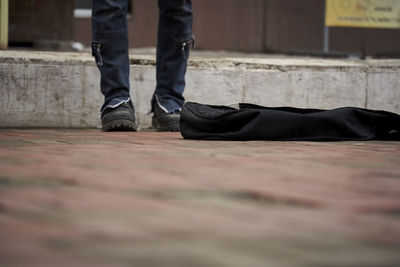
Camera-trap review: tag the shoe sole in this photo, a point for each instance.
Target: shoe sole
(165, 127)
(120, 126)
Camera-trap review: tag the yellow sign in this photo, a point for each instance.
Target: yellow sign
(363, 13)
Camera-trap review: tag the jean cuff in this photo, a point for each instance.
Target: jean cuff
(116, 102)
(167, 107)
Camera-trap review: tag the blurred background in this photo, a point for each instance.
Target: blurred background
(254, 26)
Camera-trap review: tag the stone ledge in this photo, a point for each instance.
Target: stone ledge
(58, 89)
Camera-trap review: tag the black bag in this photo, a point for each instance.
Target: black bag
(252, 122)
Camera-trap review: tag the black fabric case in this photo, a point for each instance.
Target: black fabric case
(252, 122)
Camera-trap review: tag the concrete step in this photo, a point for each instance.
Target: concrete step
(58, 89)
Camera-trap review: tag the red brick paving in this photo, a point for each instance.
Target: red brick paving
(86, 198)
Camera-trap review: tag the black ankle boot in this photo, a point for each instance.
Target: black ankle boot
(163, 121)
(121, 118)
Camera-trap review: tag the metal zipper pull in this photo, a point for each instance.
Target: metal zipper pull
(99, 55)
(185, 44)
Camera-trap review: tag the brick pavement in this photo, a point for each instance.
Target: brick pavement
(86, 198)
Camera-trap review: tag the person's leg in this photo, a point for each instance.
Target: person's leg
(111, 51)
(174, 40)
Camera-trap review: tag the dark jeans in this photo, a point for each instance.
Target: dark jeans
(110, 49)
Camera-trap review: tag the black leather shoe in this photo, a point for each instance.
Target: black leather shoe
(165, 122)
(119, 119)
